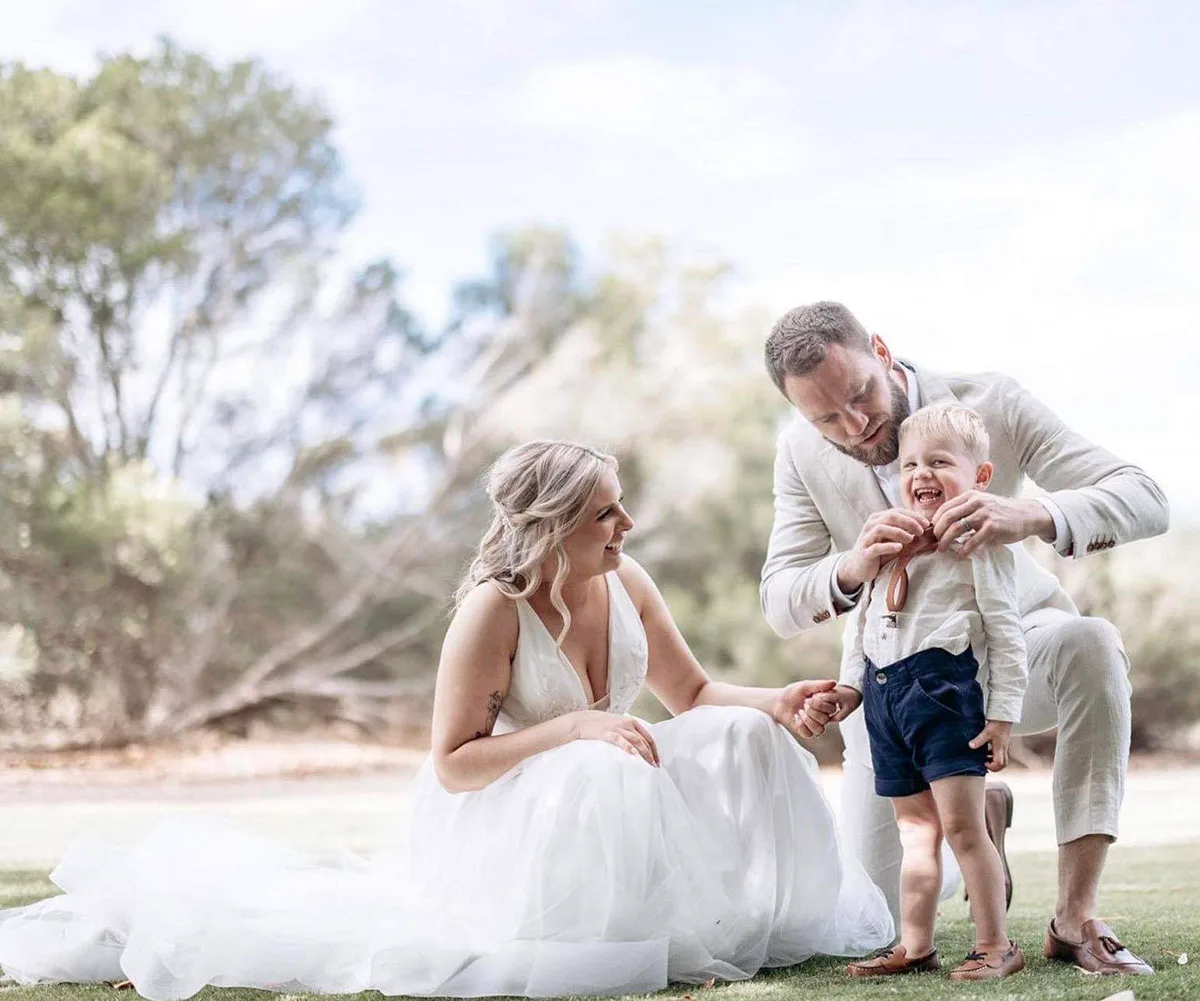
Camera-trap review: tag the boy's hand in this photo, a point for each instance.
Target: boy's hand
(824, 708)
(997, 734)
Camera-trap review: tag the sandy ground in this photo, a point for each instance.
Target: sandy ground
(42, 809)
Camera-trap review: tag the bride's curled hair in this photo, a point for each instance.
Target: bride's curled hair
(539, 493)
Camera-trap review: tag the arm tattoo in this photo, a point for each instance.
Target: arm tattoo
(495, 701)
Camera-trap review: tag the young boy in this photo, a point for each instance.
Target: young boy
(939, 665)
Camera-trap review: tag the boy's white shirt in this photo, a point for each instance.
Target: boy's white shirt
(952, 603)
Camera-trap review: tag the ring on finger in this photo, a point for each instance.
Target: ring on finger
(964, 524)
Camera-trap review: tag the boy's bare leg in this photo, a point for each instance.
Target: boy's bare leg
(959, 801)
(920, 870)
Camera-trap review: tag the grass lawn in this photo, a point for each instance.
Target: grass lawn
(1152, 898)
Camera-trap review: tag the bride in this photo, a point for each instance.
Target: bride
(558, 845)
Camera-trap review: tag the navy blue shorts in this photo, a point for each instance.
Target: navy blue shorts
(921, 714)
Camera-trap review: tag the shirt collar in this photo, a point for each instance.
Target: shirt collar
(914, 390)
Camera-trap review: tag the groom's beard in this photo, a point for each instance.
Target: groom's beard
(887, 449)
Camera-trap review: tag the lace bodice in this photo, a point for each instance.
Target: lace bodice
(544, 684)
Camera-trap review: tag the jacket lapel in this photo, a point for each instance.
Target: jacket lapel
(854, 481)
(931, 387)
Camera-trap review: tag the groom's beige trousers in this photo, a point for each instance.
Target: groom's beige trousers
(1078, 680)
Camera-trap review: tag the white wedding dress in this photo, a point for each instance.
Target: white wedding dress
(583, 870)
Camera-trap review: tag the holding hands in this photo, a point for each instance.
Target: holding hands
(792, 702)
(830, 704)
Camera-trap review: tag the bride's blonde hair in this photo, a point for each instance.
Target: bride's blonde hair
(539, 493)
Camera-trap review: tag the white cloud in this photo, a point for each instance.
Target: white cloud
(1001, 186)
(1032, 45)
(713, 123)
(1073, 270)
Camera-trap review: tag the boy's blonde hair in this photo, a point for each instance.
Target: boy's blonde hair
(950, 422)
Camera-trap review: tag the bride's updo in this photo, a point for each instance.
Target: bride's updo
(539, 493)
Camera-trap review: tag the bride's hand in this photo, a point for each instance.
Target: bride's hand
(629, 734)
(830, 706)
(789, 707)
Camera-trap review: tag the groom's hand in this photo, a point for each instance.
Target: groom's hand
(992, 520)
(883, 535)
(823, 708)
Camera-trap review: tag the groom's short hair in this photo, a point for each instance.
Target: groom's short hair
(800, 338)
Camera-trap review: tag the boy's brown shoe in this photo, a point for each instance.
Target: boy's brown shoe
(1099, 952)
(990, 965)
(891, 962)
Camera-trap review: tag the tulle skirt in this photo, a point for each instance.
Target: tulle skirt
(581, 871)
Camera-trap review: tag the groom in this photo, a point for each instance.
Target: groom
(836, 503)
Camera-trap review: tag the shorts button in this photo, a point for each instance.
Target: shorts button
(881, 678)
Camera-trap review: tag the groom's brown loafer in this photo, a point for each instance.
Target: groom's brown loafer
(990, 965)
(892, 962)
(1099, 952)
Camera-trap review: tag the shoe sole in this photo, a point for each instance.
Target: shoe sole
(919, 968)
(963, 977)
(1054, 956)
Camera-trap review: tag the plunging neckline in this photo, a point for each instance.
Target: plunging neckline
(566, 661)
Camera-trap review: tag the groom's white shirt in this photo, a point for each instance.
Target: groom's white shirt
(822, 499)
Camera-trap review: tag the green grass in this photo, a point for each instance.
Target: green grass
(1151, 897)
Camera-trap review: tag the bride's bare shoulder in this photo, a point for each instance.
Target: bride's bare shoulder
(487, 610)
(638, 583)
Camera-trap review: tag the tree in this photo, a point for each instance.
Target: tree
(195, 428)
(144, 214)
(229, 485)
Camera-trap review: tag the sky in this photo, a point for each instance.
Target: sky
(1004, 186)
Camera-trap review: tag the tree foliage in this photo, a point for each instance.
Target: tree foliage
(224, 484)
(231, 486)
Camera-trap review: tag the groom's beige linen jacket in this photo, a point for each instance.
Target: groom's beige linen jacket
(822, 499)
